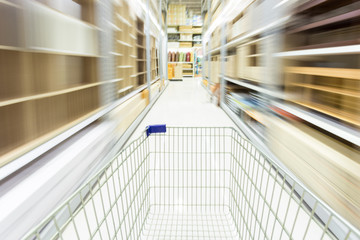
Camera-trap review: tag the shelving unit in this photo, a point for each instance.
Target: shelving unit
(297, 66)
(46, 84)
(126, 47)
(51, 86)
(181, 39)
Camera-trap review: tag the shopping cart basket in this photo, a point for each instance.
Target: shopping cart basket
(193, 183)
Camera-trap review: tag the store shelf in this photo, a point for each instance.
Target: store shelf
(345, 92)
(139, 32)
(9, 3)
(125, 89)
(12, 48)
(310, 4)
(189, 40)
(116, 54)
(54, 93)
(181, 62)
(341, 50)
(328, 21)
(126, 66)
(184, 33)
(268, 27)
(256, 88)
(334, 112)
(215, 50)
(124, 20)
(338, 129)
(116, 28)
(155, 80)
(254, 55)
(139, 73)
(250, 134)
(124, 43)
(326, 72)
(41, 145)
(330, 44)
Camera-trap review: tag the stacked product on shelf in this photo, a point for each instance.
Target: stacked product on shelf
(182, 37)
(301, 62)
(125, 51)
(183, 58)
(176, 14)
(49, 86)
(141, 53)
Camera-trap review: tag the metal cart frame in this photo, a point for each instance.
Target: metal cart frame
(193, 183)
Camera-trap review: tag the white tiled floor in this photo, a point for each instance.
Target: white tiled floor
(185, 103)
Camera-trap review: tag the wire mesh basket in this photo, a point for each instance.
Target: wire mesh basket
(193, 183)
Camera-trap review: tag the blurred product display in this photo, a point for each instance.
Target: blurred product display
(77, 77)
(290, 80)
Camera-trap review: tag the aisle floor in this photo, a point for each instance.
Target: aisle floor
(185, 104)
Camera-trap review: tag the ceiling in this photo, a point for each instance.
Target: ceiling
(194, 5)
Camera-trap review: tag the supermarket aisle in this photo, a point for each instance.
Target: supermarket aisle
(185, 103)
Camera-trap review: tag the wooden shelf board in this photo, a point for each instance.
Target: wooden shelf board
(5, 47)
(125, 89)
(17, 152)
(114, 26)
(139, 32)
(45, 95)
(326, 72)
(48, 51)
(330, 44)
(55, 93)
(345, 92)
(9, 3)
(123, 20)
(339, 18)
(116, 54)
(309, 5)
(255, 55)
(59, 52)
(181, 62)
(139, 73)
(344, 116)
(124, 43)
(125, 66)
(341, 50)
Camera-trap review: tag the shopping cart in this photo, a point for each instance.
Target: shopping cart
(193, 183)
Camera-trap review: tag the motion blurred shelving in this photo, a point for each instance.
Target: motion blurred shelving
(49, 86)
(298, 65)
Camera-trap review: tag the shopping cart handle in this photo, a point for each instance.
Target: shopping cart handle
(161, 128)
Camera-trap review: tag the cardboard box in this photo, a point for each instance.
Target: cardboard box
(186, 44)
(178, 71)
(185, 28)
(215, 69)
(231, 66)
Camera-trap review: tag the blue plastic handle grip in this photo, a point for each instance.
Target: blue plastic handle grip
(161, 128)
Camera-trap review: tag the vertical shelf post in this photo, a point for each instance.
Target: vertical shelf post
(160, 42)
(222, 61)
(209, 47)
(148, 57)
